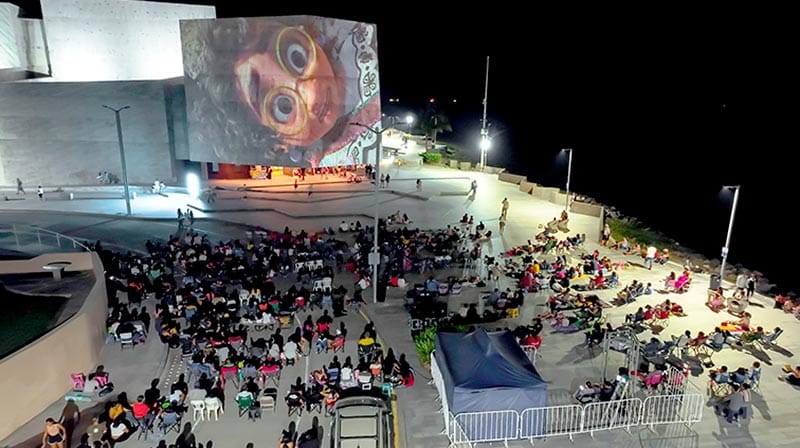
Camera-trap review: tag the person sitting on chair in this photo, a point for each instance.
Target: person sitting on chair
(288, 437)
(587, 392)
(790, 376)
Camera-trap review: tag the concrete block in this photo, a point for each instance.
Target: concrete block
(510, 178)
(527, 187)
(465, 166)
(587, 209)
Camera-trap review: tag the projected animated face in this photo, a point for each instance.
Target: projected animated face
(290, 86)
(280, 91)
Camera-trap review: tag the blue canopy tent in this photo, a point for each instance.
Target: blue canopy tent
(488, 372)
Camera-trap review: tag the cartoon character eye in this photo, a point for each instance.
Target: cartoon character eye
(296, 58)
(297, 52)
(282, 107)
(284, 111)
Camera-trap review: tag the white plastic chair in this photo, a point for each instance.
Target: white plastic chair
(198, 408)
(213, 405)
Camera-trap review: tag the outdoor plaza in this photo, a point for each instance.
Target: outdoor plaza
(564, 360)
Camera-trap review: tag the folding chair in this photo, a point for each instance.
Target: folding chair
(266, 402)
(333, 376)
(146, 427)
(661, 318)
(245, 402)
(273, 375)
(338, 344)
(170, 421)
(295, 407)
(126, 339)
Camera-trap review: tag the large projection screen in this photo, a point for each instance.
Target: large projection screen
(281, 91)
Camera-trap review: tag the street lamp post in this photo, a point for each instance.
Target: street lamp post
(484, 145)
(735, 189)
(375, 256)
(122, 154)
(569, 173)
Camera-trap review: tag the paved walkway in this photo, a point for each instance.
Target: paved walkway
(565, 362)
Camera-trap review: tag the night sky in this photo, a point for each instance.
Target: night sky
(661, 106)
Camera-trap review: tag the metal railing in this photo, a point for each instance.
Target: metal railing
(25, 235)
(668, 409)
(469, 428)
(491, 426)
(608, 415)
(535, 423)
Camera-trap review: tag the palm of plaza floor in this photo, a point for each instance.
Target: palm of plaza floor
(564, 361)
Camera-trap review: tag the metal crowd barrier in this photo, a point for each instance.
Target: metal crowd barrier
(535, 423)
(491, 426)
(469, 428)
(608, 415)
(668, 409)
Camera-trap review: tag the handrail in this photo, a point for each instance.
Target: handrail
(18, 230)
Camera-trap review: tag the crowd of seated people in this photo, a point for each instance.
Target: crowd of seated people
(678, 284)
(629, 293)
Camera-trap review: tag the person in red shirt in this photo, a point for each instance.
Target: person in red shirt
(141, 411)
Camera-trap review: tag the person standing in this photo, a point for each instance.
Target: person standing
(502, 224)
(650, 256)
(504, 213)
(383, 180)
(55, 435)
(310, 189)
(387, 180)
(751, 285)
(606, 234)
(419, 184)
(295, 183)
(40, 192)
(19, 186)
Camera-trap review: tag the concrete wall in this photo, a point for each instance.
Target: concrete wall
(554, 195)
(527, 187)
(587, 209)
(512, 178)
(21, 42)
(104, 40)
(38, 375)
(59, 134)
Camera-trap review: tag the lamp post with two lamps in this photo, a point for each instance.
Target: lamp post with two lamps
(122, 154)
(374, 256)
(735, 189)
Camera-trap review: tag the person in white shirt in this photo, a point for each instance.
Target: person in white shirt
(650, 256)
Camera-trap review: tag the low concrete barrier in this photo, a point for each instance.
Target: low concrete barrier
(511, 178)
(587, 209)
(465, 166)
(454, 164)
(545, 193)
(527, 187)
(493, 169)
